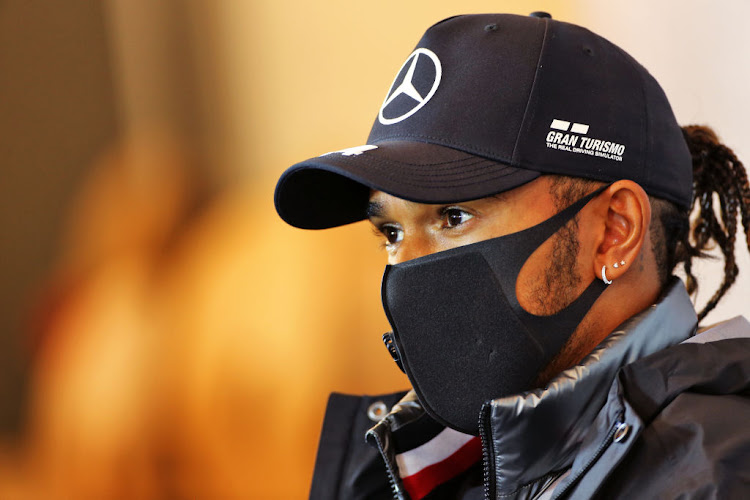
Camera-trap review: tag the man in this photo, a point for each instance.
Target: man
(533, 188)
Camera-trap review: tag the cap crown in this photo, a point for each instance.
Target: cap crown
(542, 95)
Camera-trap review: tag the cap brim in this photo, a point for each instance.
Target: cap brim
(334, 189)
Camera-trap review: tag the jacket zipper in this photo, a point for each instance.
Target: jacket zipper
(487, 451)
(602, 447)
(388, 467)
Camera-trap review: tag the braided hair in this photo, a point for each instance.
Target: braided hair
(720, 192)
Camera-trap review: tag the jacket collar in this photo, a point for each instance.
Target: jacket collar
(532, 437)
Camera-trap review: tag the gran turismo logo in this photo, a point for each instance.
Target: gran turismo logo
(564, 136)
(415, 84)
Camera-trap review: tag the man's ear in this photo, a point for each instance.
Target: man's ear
(626, 226)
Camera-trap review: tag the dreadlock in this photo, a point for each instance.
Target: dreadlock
(720, 192)
(719, 178)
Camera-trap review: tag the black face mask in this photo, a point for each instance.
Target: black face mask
(459, 332)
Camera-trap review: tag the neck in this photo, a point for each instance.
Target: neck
(623, 299)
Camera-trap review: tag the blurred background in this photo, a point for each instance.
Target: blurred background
(164, 334)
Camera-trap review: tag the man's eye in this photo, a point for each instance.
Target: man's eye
(455, 216)
(392, 234)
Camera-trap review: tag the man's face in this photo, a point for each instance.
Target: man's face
(549, 280)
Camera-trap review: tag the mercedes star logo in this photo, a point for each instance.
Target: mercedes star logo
(408, 93)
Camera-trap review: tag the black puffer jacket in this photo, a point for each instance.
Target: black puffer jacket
(643, 416)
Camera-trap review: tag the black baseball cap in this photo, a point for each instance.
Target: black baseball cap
(486, 103)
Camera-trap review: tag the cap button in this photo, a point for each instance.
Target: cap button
(539, 13)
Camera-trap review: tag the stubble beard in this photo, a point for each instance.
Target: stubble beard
(561, 286)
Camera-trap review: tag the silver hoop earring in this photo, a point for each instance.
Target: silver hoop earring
(604, 276)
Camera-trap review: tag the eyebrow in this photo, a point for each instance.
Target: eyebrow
(375, 209)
